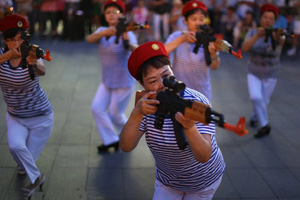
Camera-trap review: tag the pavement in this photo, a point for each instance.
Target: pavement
(260, 169)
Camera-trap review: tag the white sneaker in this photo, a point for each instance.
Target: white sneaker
(291, 52)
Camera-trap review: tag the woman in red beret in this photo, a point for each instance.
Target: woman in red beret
(263, 66)
(194, 172)
(29, 114)
(115, 90)
(189, 67)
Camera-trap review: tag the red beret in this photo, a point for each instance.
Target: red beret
(143, 53)
(13, 21)
(269, 7)
(191, 5)
(120, 3)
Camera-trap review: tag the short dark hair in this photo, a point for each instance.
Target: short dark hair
(10, 33)
(186, 16)
(156, 62)
(114, 5)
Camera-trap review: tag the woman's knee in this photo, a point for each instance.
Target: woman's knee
(16, 147)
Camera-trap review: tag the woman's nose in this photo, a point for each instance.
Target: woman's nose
(161, 84)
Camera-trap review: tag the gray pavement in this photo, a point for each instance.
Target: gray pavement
(261, 169)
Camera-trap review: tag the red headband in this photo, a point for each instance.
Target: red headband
(143, 53)
(13, 21)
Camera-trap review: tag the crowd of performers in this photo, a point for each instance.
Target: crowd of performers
(192, 172)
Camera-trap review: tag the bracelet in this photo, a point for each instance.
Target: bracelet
(215, 58)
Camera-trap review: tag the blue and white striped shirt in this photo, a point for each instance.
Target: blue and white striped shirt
(24, 97)
(177, 168)
(189, 67)
(113, 58)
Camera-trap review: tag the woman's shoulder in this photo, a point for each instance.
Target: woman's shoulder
(173, 36)
(195, 95)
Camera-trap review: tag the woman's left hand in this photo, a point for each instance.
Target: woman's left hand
(187, 123)
(32, 59)
(212, 48)
(277, 34)
(125, 36)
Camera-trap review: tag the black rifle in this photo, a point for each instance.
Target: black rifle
(26, 48)
(204, 36)
(269, 34)
(170, 102)
(124, 26)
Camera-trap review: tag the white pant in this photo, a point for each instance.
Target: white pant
(260, 92)
(163, 192)
(27, 138)
(156, 25)
(115, 101)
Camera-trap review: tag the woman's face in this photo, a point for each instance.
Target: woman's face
(111, 15)
(153, 81)
(15, 42)
(195, 20)
(267, 19)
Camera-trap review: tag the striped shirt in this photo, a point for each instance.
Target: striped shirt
(177, 168)
(264, 62)
(24, 97)
(189, 67)
(114, 59)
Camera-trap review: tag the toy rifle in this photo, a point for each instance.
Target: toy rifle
(34, 50)
(269, 34)
(124, 26)
(170, 102)
(204, 36)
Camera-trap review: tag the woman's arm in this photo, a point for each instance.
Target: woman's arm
(96, 36)
(249, 42)
(188, 37)
(215, 60)
(200, 144)
(130, 134)
(39, 68)
(10, 54)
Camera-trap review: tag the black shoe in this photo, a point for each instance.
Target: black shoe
(263, 131)
(104, 148)
(253, 123)
(29, 190)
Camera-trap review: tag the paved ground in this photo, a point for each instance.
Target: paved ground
(264, 169)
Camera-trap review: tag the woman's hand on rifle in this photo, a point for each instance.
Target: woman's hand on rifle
(147, 105)
(14, 53)
(187, 123)
(189, 37)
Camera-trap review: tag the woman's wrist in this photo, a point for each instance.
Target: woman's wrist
(214, 57)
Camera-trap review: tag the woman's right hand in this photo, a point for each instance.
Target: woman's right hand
(190, 37)
(110, 31)
(147, 105)
(14, 53)
(261, 32)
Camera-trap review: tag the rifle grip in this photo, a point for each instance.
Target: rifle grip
(197, 112)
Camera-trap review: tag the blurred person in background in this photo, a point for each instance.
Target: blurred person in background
(189, 67)
(161, 13)
(296, 28)
(29, 114)
(263, 67)
(117, 86)
(228, 22)
(140, 15)
(243, 6)
(241, 28)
